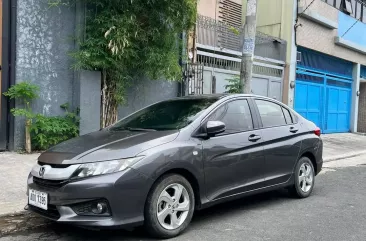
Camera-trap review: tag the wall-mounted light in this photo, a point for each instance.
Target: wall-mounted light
(292, 84)
(358, 93)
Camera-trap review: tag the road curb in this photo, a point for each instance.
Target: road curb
(344, 156)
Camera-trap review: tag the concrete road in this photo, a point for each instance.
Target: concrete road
(335, 211)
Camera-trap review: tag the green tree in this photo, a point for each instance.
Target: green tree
(129, 39)
(25, 93)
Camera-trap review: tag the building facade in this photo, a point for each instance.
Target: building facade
(310, 55)
(331, 49)
(216, 45)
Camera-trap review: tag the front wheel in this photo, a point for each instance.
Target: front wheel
(304, 178)
(169, 207)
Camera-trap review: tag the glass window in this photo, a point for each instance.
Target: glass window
(271, 113)
(236, 116)
(287, 114)
(167, 115)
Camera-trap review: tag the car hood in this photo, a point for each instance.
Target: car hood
(105, 145)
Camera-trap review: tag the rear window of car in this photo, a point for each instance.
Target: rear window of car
(288, 116)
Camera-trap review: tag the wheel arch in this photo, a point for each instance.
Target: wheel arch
(191, 178)
(312, 158)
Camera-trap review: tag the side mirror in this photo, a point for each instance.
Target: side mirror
(215, 127)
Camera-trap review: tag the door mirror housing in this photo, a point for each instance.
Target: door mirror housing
(215, 127)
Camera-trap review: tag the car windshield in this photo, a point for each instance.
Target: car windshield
(167, 115)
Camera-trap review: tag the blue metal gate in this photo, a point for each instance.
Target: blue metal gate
(324, 98)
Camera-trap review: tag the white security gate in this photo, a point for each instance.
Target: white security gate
(267, 74)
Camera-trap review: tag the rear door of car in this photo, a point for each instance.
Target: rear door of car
(234, 160)
(281, 140)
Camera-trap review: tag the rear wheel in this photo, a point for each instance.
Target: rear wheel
(304, 178)
(169, 207)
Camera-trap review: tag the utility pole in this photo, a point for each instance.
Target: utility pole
(250, 27)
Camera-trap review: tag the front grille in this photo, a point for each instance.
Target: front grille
(51, 212)
(54, 184)
(54, 165)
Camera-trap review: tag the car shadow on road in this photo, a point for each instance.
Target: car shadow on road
(201, 218)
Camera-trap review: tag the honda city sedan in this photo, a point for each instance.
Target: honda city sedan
(158, 165)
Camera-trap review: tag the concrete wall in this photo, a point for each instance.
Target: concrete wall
(44, 41)
(315, 36)
(145, 92)
(89, 103)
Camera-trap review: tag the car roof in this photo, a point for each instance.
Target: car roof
(218, 96)
(221, 96)
(225, 96)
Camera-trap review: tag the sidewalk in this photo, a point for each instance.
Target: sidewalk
(15, 168)
(343, 145)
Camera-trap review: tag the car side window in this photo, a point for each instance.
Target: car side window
(236, 116)
(271, 113)
(288, 116)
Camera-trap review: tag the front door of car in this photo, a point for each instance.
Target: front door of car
(281, 141)
(233, 160)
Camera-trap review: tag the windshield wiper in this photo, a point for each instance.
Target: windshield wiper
(138, 129)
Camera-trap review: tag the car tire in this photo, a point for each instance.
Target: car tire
(168, 213)
(304, 178)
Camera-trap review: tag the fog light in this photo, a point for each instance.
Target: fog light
(92, 208)
(99, 208)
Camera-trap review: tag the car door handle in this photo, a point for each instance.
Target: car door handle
(293, 129)
(254, 138)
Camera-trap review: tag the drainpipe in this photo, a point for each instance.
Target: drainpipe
(12, 59)
(7, 72)
(296, 20)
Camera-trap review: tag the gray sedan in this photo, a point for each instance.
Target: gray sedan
(160, 164)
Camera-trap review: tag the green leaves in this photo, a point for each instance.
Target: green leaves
(49, 131)
(45, 131)
(135, 38)
(25, 91)
(234, 30)
(22, 112)
(234, 85)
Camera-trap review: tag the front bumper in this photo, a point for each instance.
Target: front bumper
(125, 192)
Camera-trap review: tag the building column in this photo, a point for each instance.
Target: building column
(355, 90)
(90, 89)
(293, 61)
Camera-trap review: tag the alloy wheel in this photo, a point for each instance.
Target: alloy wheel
(173, 206)
(306, 177)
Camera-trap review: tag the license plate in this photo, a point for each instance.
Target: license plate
(38, 199)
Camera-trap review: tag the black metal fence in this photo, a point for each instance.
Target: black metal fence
(192, 82)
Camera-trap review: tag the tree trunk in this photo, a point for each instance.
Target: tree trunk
(109, 104)
(28, 145)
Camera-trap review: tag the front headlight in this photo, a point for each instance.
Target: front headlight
(105, 167)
